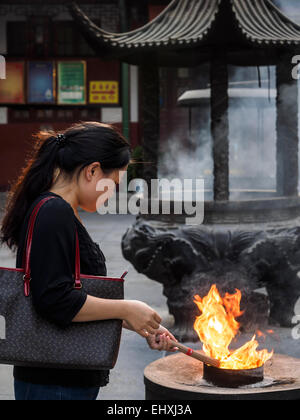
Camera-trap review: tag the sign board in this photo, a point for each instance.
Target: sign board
(12, 88)
(41, 82)
(104, 92)
(71, 82)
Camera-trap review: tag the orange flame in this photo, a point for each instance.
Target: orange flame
(217, 326)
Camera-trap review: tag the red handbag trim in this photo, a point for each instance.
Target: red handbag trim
(85, 276)
(88, 276)
(78, 284)
(26, 256)
(27, 275)
(12, 269)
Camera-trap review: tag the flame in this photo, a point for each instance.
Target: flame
(217, 326)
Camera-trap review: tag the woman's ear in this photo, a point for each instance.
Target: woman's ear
(92, 170)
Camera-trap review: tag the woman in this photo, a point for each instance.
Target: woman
(69, 166)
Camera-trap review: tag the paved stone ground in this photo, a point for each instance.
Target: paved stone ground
(127, 377)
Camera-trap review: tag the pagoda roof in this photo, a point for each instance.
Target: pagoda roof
(188, 26)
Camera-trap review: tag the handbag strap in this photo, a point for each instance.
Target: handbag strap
(26, 255)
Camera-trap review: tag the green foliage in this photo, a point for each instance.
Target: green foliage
(135, 170)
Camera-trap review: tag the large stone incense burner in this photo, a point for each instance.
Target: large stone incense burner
(243, 372)
(236, 247)
(247, 244)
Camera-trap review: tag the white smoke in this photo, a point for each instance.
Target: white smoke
(291, 8)
(252, 139)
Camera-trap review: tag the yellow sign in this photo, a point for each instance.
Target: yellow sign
(104, 92)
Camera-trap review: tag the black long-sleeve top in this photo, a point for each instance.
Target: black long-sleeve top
(52, 263)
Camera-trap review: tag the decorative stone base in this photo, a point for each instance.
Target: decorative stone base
(187, 260)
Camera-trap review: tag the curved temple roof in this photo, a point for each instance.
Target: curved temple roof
(181, 22)
(198, 23)
(263, 23)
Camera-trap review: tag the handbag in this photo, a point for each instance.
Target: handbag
(28, 339)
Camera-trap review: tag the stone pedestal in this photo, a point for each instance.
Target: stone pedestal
(164, 382)
(236, 247)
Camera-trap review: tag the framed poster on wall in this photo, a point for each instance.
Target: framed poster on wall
(104, 92)
(41, 82)
(12, 88)
(71, 82)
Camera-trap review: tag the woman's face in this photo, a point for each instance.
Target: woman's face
(95, 187)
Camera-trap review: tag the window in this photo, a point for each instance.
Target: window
(42, 38)
(69, 42)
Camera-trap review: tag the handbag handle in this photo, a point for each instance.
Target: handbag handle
(26, 255)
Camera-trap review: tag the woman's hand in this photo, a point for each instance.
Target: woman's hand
(161, 340)
(140, 318)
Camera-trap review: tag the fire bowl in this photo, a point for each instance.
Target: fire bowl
(179, 377)
(230, 378)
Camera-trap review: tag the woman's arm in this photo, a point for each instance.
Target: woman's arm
(138, 315)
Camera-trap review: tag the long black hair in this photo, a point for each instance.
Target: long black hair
(86, 142)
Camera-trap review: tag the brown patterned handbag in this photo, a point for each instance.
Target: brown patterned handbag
(27, 339)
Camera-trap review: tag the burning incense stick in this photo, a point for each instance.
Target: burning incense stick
(190, 352)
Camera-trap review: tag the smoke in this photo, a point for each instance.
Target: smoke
(176, 161)
(252, 139)
(252, 133)
(290, 8)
